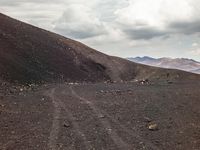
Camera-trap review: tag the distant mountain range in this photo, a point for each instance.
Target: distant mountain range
(185, 64)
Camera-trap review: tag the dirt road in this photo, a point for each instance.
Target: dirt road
(103, 117)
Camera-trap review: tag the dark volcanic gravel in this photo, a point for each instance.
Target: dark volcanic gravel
(103, 117)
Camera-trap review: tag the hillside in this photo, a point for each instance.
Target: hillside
(177, 63)
(196, 71)
(30, 54)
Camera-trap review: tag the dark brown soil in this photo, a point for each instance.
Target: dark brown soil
(103, 116)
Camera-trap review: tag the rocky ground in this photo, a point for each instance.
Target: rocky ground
(124, 116)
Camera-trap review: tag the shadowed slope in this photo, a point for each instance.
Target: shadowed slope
(28, 53)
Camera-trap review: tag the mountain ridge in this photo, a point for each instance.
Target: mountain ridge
(184, 64)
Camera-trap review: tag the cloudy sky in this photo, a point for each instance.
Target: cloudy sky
(125, 28)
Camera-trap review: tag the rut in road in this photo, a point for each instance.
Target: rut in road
(56, 122)
(79, 133)
(113, 134)
(58, 104)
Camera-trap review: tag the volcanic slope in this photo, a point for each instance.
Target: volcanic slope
(30, 54)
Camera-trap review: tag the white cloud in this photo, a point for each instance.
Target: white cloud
(195, 51)
(156, 13)
(121, 27)
(79, 21)
(143, 19)
(195, 44)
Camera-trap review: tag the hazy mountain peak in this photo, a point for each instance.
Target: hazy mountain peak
(167, 62)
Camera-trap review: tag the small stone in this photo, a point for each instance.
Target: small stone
(101, 116)
(66, 125)
(169, 82)
(181, 132)
(153, 126)
(141, 143)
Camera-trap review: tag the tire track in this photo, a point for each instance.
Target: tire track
(79, 133)
(100, 113)
(113, 134)
(54, 132)
(55, 124)
(132, 133)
